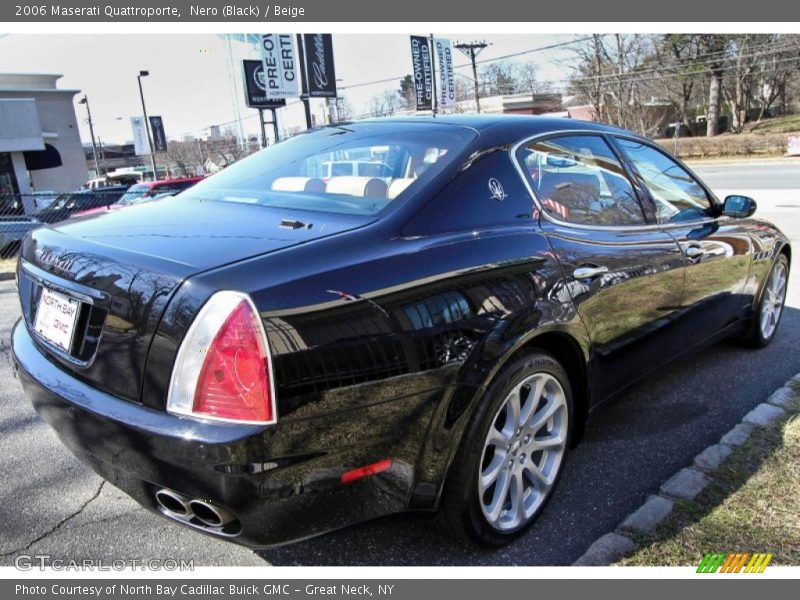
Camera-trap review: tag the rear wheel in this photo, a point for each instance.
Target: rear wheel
(511, 456)
(770, 306)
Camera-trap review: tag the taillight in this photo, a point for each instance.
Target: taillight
(223, 370)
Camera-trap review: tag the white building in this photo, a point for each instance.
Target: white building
(40, 146)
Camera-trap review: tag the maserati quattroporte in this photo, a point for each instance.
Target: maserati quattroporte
(291, 346)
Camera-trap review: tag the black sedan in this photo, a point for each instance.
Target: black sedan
(279, 352)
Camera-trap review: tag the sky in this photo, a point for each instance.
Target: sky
(190, 83)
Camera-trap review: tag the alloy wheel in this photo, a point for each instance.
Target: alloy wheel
(772, 301)
(523, 452)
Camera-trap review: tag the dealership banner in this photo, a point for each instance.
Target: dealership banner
(317, 52)
(280, 65)
(140, 143)
(255, 87)
(422, 72)
(445, 75)
(159, 135)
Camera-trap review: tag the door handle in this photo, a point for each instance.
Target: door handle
(693, 251)
(589, 272)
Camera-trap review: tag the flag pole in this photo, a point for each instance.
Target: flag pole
(433, 77)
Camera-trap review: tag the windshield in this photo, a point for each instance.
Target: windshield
(355, 169)
(134, 194)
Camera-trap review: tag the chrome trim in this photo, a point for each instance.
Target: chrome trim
(270, 371)
(512, 154)
(589, 272)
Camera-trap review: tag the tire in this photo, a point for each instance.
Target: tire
(773, 295)
(477, 509)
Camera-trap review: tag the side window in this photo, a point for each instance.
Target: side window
(677, 195)
(577, 178)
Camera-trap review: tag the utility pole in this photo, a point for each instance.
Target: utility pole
(471, 51)
(85, 100)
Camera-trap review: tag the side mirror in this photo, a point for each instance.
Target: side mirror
(738, 207)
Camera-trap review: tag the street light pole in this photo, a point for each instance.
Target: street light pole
(85, 100)
(147, 124)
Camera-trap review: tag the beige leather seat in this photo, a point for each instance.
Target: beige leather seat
(398, 186)
(298, 184)
(365, 187)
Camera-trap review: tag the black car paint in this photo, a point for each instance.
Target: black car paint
(384, 332)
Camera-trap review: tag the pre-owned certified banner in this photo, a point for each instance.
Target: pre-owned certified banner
(421, 67)
(140, 144)
(445, 76)
(280, 65)
(320, 79)
(255, 86)
(159, 135)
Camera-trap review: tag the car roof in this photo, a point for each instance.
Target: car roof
(501, 128)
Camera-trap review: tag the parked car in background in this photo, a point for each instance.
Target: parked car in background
(68, 204)
(146, 192)
(273, 356)
(14, 227)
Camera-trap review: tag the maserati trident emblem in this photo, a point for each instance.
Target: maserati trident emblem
(496, 190)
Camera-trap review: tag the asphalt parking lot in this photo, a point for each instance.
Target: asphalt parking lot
(55, 506)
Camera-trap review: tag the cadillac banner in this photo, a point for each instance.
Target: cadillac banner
(280, 66)
(445, 76)
(159, 135)
(255, 86)
(423, 78)
(320, 79)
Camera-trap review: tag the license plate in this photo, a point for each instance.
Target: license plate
(56, 317)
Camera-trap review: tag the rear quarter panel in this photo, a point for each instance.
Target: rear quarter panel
(380, 344)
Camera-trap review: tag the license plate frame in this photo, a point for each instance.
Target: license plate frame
(56, 318)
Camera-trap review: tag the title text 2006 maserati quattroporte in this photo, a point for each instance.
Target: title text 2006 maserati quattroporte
(285, 349)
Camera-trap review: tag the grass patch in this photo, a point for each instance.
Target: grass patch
(787, 124)
(750, 506)
(729, 145)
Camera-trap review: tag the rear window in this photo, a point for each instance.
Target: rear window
(354, 169)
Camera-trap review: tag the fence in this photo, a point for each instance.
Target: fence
(20, 213)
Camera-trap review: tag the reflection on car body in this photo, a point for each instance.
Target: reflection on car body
(281, 351)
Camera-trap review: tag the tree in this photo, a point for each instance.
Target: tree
(184, 157)
(408, 92)
(497, 79)
(385, 104)
(714, 48)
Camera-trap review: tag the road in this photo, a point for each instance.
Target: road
(54, 505)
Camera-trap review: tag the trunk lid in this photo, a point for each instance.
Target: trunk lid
(125, 265)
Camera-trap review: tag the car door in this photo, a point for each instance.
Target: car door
(717, 249)
(624, 274)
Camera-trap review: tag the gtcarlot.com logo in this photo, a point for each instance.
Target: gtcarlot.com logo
(29, 562)
(742, 562)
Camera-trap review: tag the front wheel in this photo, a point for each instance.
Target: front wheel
(770, 306)
(512, 452)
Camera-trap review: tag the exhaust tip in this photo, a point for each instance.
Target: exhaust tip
(172, 502)
(208, 514)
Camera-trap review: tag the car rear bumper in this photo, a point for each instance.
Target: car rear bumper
(275, 499)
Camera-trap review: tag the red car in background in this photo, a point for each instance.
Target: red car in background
(145, 192)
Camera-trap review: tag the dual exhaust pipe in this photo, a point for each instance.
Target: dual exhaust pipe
(180, 507)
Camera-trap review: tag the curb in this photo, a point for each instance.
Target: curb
(687, 483)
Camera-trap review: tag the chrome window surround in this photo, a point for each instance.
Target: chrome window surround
(603, 134)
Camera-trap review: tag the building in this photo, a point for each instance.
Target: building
(40, 145)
